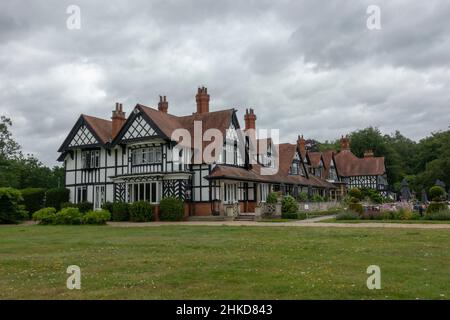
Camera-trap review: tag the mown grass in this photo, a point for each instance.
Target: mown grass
(220, 262)
(333, 220)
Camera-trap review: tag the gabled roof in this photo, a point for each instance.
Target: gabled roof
(167, 123)
(349, 165)
(315, 158)
(327, 157)
(100, 128)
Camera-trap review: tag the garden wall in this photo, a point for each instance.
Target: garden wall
(317, 206)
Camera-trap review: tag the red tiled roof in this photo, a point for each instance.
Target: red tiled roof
(349, 165)
(286, 152)
(327, 157)
(101, 127)
(315, 157)
(168, 123)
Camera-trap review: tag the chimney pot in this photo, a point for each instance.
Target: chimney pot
(118, 119)
(301, 144)
(250, 119)
(202, 99)
(345, 143)
(163, 104)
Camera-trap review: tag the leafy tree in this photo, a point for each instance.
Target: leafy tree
(9, 148)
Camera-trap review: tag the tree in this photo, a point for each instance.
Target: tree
(371, 139)
(18, 171)
(9, 149)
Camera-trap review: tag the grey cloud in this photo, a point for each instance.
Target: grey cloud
(308, 67)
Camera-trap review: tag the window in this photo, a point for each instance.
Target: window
(99, 196)
(81, 194)
(144, 156)
(144, 191)
(318, 172)
(230, 193)
(90, 159)
(263, 192)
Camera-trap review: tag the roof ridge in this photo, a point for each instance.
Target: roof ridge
(93, 117)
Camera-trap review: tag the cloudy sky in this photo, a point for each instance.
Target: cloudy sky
(306, 67)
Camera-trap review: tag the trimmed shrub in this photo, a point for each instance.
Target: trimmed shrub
(439, 215)
(141, 211)
(85, 206)
(272, 197)
(45, 216)
(356, 207)
(347, 215)
(108, 206)
(317, 198)
(436, 207)
(171, 209)
(10, 209)
(56, 196)
(33, 198)
(289, 215)
(289, 205)
(437, 193)
(120, 211)
(82, 206)
(403, 214)
(68, 216)
(301, 215)
(68, 205)
(355, 193)
(96, 217)
(302, 197)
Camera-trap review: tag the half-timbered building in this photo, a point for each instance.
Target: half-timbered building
(146, 156)
(367, 172)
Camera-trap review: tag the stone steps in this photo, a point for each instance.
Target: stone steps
(245, 217)
(206, 218)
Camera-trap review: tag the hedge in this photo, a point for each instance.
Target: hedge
(120, 211)
(96, 217)
(45, 216)
(70, 216)
(435, 206)
(56, 196)
(11, 211)
(141, 211)
(33, 198)
(171, 209)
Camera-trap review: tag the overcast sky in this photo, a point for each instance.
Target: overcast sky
(306, 67)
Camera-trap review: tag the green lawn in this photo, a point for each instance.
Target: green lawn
(333, 220)
(200, 262)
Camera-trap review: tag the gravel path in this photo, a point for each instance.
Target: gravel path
(296, 223)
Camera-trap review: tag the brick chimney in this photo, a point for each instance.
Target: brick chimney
(118, 119)
(368, 154)
(301, 144)
(202, 99)
(345, 143)
(250, 119)
(163, 104)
